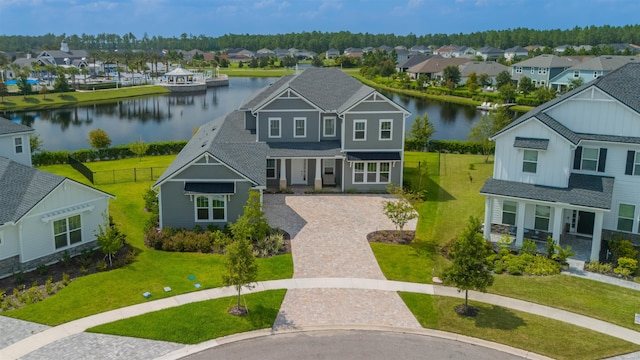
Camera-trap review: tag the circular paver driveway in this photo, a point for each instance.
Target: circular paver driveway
(329, 241)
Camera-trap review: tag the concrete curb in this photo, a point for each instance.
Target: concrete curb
(193, 349)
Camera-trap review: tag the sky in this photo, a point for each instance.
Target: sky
(170, 18)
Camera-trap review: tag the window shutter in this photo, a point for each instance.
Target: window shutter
(602, 159)
(577, 157)
(631, 156)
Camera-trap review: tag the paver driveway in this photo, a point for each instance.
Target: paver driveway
(329, 240)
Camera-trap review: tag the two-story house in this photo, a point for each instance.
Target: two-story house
(571, 167)
(42, 215)
(541, 69)
(590, 69)
(318, 129)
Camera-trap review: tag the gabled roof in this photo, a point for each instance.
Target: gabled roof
(516, 49)
(547, 61)
(490, 50)
(583, 190)
(327, 88)
(620, 84)
(225, 139)
(415, 60)
(490, 68)
(436, 64)
(23, 187)
(605, 63)
(9, 127)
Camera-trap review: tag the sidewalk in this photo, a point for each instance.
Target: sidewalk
(39, 341)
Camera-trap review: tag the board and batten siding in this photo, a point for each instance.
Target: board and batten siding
(8, 149)
(372, 141)
(9, 246)
(287, 125)
(395, 174)
(208, 172)
(37, 235)
(554, 164)
(594, 112)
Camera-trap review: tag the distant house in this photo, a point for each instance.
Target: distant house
(446, 51)
(432, 68)
(403, 66)
(64, 57)
(590, 69)
(541, 69)
(491, 68)
(464, 51)
(570, 168)
(239, 54)
(401, 54)
(489, 53)
(264, 52)
(318, 129)
(515, 53)
(420, 49)
(332, 53)
(42, 215)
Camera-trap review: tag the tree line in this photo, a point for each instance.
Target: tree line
(321, 41)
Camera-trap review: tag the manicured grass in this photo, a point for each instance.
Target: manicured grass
(33, 102)
(544, 336)
(197, 322)
(152, 271)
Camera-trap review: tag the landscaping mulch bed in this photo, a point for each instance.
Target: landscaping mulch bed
(392, 237)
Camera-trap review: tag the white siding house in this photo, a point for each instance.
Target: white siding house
(571, 167)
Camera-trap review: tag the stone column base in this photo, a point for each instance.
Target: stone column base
(283, 184)
(317, 184)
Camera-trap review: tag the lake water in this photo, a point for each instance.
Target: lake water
(175, 116)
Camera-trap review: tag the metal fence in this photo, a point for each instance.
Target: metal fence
(127, 175)
(117, 175)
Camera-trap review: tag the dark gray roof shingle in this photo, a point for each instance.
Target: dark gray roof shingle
(21, 188)
(304, 149)
(583, 190)
(531, 143)
(9, 127)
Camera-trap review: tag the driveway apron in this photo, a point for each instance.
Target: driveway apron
(329, 240)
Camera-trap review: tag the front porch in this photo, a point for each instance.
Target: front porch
(304, 174)
(579, 243)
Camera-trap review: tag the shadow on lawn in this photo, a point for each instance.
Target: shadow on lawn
(496, 317)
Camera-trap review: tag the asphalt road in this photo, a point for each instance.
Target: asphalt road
(352, 345)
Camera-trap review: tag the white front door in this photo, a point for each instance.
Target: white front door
(298, 171)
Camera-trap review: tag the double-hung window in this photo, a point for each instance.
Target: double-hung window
(299, 127)
(329, 126)
(274, 128)
(589, 159)
(530, 161)
(211, 208)
(633, 163)
(385, 129)
(371, 172)
(271, 168)
(509, 211)
(543, 214)
(626, 215)
(67, 231)
(360, 130)
(18, 146)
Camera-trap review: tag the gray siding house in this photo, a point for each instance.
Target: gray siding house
(321, 128)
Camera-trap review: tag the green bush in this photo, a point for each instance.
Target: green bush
(626, 267)
(270, 245)
(542, 266)
(451, 146)
(529, 247)
(597, 267)
(622, 248)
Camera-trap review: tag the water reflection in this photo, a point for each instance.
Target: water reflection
(174, 116)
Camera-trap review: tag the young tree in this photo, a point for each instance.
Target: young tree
(545, 94)
(23, 84)
(526, 85)
(240, 263)
(400, 212)
(468, 270)
(421, 130)
(110, 239)
(99, 139)
(487, 126)
(451, 76)
(472, 82)
(503, 78)
(35, 143)
(44, 90)
(60, 84)
(484, 80)
(252, 222)
(139, 147)
(4, 90)
(507, 92)
(574, 83)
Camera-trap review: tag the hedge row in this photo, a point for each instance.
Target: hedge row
(117, 152)
(449, 146)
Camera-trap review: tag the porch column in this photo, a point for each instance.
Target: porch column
(520, 224)
(317, 183)
(488, 212)
(283, 174)
(596, 241)
(557, 223)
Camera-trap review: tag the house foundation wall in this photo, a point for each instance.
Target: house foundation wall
(634, 238)
(12, 265)
(9, 266)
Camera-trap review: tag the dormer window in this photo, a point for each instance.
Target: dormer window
(18, 146)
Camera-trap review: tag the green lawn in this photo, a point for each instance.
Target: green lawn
(541, 335)
(152, 271)
(452, 197)
(33, 102)
(197, 322)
